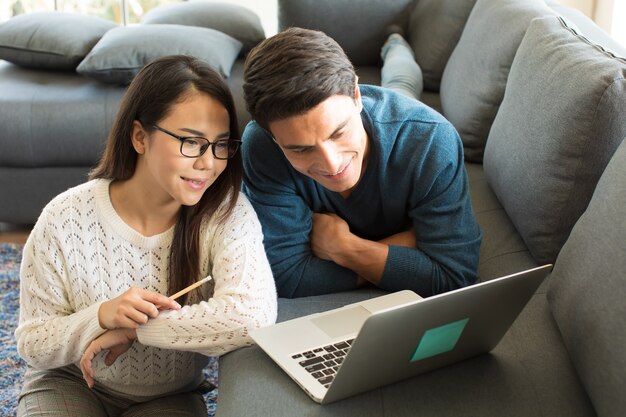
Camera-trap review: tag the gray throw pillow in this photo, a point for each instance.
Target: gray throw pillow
(473, 81)
(435, 27)
(560, 122)
(361, 27)
(123, 51)
(50, 40)
(237, 21)
(588, 288)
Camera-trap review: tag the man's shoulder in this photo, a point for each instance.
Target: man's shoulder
(258, 146)
(388, 107)
(255, 135)
(407, 132)
(391, 113)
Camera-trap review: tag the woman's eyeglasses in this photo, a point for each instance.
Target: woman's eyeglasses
(196, 146)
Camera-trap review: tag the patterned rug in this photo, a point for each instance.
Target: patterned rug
(11, 365)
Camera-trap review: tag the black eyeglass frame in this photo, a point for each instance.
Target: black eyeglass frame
(203, 148)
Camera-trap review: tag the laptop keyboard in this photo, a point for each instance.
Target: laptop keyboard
(323, 362)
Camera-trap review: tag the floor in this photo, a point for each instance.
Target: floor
(11, 233)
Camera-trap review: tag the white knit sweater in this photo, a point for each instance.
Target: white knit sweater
(81, 253)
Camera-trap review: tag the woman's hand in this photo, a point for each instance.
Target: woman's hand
(116, 341)
(133, 308)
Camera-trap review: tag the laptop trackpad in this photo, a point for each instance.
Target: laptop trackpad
(342, 322)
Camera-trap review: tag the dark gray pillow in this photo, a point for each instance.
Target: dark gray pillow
(560, 122)
(237, 21)
(588, 288)
(473, 81)
(123, 51)
(435, 27)
(50, 40)
(360, 27)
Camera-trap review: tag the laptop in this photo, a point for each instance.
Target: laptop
(366, 345)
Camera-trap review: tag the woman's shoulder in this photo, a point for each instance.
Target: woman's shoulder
(78, 194)
(74, 202)
(242, 212)
(67, 210)
(241, 209)
(241, 224)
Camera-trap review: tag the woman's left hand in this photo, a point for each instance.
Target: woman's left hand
(116, 341)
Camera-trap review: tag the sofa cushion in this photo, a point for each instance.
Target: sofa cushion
(559, 124)
(123, 51)
(502, 250)
(50, 40)
(473, 82)
(588, 289)
(53, 119)
(360, 27)
(237, 21)
(435, 27)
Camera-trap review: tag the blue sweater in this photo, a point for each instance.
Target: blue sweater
(414, 177)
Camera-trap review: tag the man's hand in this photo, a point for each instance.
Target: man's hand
(133, 308)
(328, 233)
(116, 341)
(332, 240)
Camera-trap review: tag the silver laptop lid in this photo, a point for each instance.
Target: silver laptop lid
(441, 330)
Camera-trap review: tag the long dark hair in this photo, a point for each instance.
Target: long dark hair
(149, 98)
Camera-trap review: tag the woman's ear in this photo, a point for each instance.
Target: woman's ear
(139, 137)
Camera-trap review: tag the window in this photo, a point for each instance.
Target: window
(127, 11)
(119, 11)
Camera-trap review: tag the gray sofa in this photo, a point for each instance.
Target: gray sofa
(541, 112)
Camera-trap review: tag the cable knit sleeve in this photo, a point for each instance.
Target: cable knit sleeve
(244, 295)
(52, 332)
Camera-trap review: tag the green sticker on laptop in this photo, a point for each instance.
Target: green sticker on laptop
(439, 340)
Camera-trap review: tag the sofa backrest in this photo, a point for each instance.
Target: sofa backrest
(474, 79)
(359, 26)
(588, 288)
(435, 27)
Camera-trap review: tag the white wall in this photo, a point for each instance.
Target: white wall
(585, 6)
(610, 15)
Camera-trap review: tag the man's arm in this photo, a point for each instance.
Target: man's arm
(332, 240)
(439, 254)
(286, 219)
(447, 235)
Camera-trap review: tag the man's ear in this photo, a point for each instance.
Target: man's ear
(357, 96)
(139, 137)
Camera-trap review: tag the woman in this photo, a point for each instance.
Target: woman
(162, 210)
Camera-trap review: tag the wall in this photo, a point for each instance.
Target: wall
(610, 15)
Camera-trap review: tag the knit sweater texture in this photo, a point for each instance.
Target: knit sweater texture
(81, 253)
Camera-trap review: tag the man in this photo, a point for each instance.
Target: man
(352, 184)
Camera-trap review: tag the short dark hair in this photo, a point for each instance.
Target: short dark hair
(292, 72)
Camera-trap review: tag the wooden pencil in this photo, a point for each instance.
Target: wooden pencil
(191, 287)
